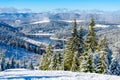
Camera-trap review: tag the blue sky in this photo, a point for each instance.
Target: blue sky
(35, 5)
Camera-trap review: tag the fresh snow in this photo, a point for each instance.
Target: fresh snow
(47, 21)
(101, 25)
(118, 26)
(23, 74)
(71, 21)
(33, 41)
(44, 21)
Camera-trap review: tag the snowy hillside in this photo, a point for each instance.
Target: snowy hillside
(24, 74)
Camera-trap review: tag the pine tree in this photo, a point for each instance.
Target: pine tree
(74, 32)
(100, 66)
(12, 62)
(30, 66)
(87, 63)
(56, 62)
(90, 63)
(59, 61)
(46, 59)
(114, 68)
(90, 44)
(103, 50)
(17, 64)
(7, 65)
(80, 42)
(68, 55)
(3, 62)
(74, 38)
(53, 63)
(22, 64)
(91, 40)
(75, 62)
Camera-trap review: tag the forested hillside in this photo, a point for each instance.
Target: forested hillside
(87, 53)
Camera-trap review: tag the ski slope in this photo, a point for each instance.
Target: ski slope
(23, 74)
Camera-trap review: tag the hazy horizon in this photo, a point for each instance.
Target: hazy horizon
(43, 5)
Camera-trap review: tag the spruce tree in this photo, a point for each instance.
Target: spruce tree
(53, 63)
(75, 62)
(46, 58)
(12, 62)
(68, 55)
(114, 68)
(17, 64)
(71, 48)
(80, 42)
(59, 61)
(30, 66)
(104, 50)
(91, 39)
(7, 65)
(74, 31)
(90, 45)
(22, 64)
(56, 62)
(3, 62)
(100, 66)
(87, 63)
(84, 62)
(74, 38)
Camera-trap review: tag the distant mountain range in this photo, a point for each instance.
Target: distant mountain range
(17, 17)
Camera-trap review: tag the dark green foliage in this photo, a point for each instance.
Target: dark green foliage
(56, 62)
(87, 64)
(75, 62)
(91, 39)
(104, 51)
(74, 32)
(80, 42)
(100, 65)
(68, 58)
(79, 53)
(46, 59)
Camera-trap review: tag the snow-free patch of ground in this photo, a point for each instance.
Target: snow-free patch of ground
(23, 74)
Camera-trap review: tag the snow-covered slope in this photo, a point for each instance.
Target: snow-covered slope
(23, 74)
(101, 25)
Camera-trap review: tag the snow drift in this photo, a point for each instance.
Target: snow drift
(23, 74)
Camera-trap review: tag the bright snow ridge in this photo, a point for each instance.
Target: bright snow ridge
(23, 74)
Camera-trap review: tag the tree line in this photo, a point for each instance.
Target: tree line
(12, 63)
(82, 53)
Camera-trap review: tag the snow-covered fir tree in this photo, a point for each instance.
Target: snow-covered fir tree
(68, 56)
(12, 63)
(80, 42)
(105, 55)
(46, 59)
(114, 68)
(100, 65)
(91, 39)
(53, 63)
(30, 66)
(75, 62)
(87, 63)
(2, 62)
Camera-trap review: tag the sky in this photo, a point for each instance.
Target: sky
(37, 5)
